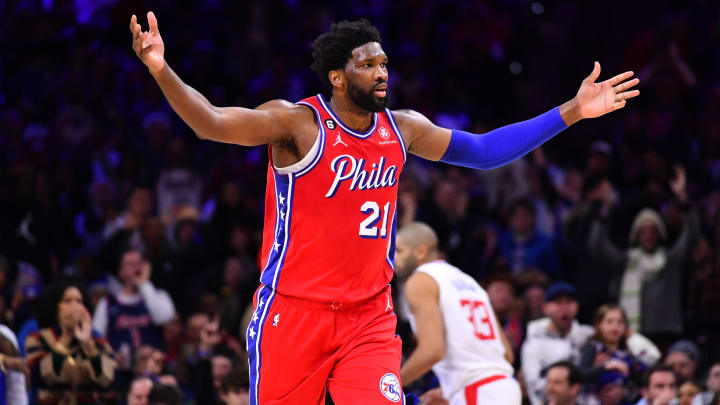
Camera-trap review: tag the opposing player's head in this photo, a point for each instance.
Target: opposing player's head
(416, 244)
(350, 60)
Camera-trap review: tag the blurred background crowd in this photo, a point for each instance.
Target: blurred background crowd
(129, 248)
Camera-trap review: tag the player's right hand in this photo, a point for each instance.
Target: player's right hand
(148, 45)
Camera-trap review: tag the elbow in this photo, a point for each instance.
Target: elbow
(438, 354)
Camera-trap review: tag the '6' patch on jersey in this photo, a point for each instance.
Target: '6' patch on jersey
(330, 123)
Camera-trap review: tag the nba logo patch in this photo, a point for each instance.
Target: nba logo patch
(276, 320)
(384, 134)
(390, 387)
(330, 123)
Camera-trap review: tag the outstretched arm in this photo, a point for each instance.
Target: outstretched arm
(268, 123)
(505, 144)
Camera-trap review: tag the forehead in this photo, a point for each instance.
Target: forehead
(662, 377)
(370, 50)
(557, 373)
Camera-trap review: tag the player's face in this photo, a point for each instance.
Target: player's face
(404, 260)
(367, 77)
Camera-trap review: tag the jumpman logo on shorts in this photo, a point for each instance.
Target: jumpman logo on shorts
(339, 140)
(388, 303)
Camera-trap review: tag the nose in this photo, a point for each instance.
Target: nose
(381, 73)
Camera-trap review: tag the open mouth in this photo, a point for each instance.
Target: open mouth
(380, 90)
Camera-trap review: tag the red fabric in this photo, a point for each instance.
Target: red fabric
(327, 259)
(310, 346)
(471, 390)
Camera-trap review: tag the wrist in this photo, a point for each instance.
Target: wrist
(570, 112)
(155, 73)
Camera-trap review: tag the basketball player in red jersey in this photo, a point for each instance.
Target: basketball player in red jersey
(323, 313)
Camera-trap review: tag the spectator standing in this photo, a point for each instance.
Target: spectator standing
(651, 274)
(132, 317)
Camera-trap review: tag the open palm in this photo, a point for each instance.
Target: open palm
(148, 45)
(596, 99)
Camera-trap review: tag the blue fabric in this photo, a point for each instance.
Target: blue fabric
(27, 328)
(503, 145)
(3, 388)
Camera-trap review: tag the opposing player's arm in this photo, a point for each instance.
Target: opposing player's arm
(268, 123)
(509, 354)
(505, 144)
(422, 294)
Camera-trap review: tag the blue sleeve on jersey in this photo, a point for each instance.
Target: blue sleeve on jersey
(503, 145)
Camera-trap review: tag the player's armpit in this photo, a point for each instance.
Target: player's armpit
(422, 295)
(422, 137)
(270, 122)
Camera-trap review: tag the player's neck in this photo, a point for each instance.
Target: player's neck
(351, 114)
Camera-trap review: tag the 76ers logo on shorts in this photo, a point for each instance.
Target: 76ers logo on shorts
(390, 387)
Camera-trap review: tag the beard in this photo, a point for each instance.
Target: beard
(367, 100)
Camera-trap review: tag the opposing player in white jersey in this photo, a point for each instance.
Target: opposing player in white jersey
(458, 335)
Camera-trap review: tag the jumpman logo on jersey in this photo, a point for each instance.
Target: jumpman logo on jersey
(339, 140)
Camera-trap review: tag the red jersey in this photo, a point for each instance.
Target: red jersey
(330, 219)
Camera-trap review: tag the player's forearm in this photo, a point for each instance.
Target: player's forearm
(187, 102)
(419, 363)
(505, 144)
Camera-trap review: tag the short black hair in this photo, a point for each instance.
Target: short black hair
(49, 300)
(165, 394)
(574, 374)
(657, 368)
(333, 49)
(236, 380)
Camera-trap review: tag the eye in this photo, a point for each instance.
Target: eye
(367, 65)
(383, 65)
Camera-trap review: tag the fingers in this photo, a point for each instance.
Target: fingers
(626, 85)
(153, 22)
(619, 105)
(594, 74)
(621, 77)
(626, 95)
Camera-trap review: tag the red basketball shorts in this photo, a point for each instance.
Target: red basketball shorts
(298, 348)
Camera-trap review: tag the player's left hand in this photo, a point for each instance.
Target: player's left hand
(596, 99)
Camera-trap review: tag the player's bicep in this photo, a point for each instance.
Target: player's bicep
(422, 137)
(422, 295)
(265, 124)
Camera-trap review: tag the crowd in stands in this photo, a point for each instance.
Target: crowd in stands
(129, 248)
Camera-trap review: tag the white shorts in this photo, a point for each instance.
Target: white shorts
(504, 391)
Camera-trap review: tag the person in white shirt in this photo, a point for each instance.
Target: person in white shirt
(713, 386)
(458, 335)
(132, 317)
(560, 336)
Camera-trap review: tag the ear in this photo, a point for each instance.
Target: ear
(575, 390)
(421, 252)
(337, 77)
